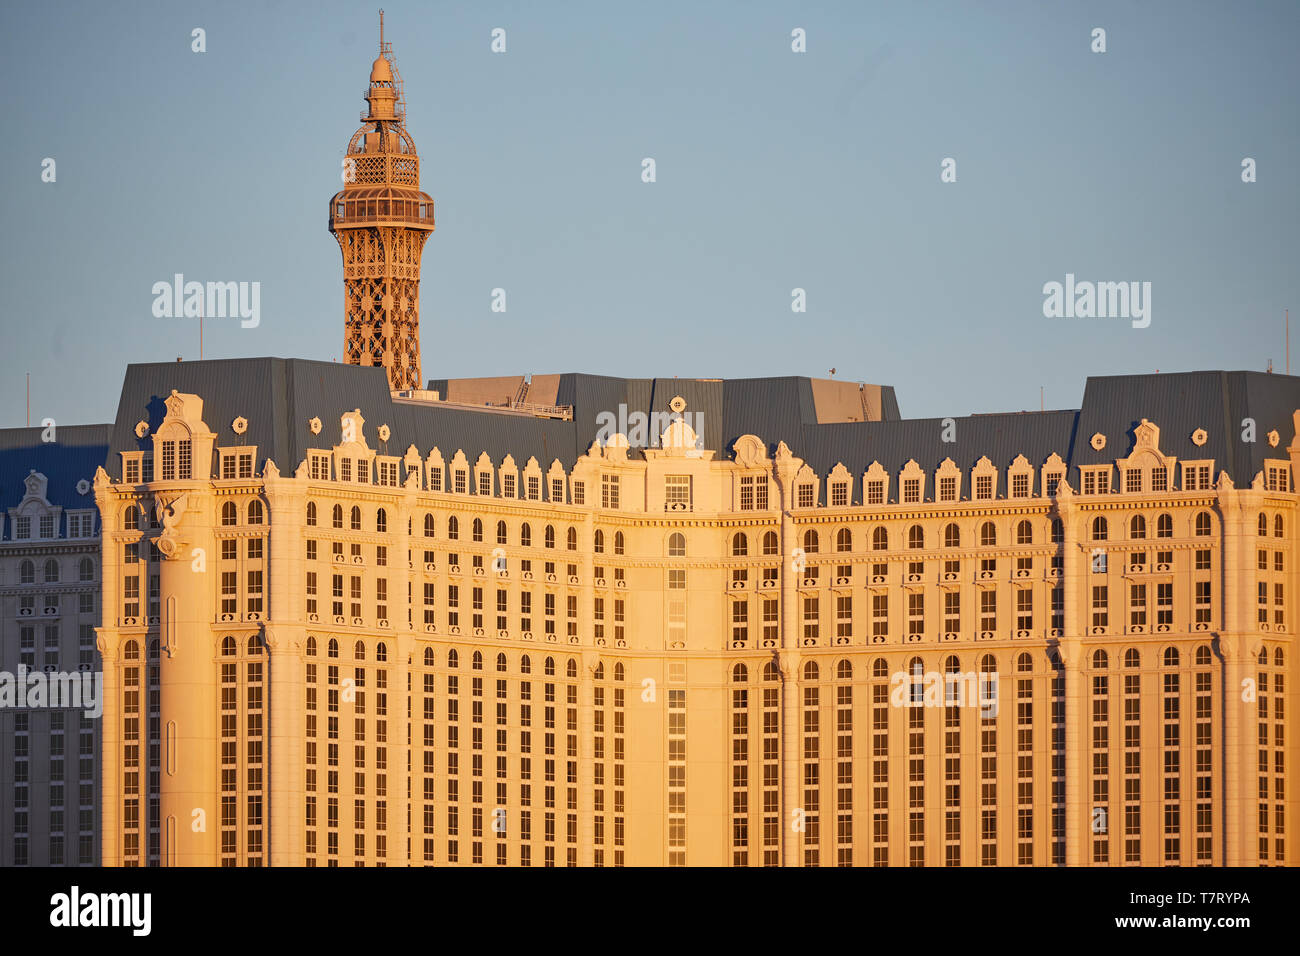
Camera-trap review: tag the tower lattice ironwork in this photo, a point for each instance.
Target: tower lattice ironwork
(381, 220)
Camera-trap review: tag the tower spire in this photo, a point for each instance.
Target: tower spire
(381, 220)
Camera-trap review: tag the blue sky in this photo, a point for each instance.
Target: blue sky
(775, 170)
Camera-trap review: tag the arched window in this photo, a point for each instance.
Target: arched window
(739, 545)
(131, 519)
(1131, 658)
(153, 517)
(1278, 659)
(770, 543)
(227, 648)
(476, 661)
(620, 672)
(548, 667)
(1058, 531)
(879, 669)
(1277, 526)
(810, 543)
(229, 513)
(501, 663)
(27, 572)
(571, 668)
(476, 530)
(332, 649)
(599, 673)
(598, 542)
(526, 535)
(255, 512)
(359, 651)
(1100, 529)
(1165, 526)
(1202, 656)
(739, 674)
(571, 539)
(453, 659)
(1171, 657)
(988, 664)
(381, 652)
(453, 528)
(428, 526)
(1024, 533)
(311, 647)
(1099, 660)
(381, 521)
(501, 532)
(549, 539)
(951, 535)
(354, 519)
(1024, 664)
(844, 540)
(526, 665)
(1137, 527)
(311, 514)
(770, 672)
(618, 542)
(810, 671)
(1203, 524)
(1263, 525)
(336, 516)
(879, 539)
(915, 537)
(844, 670)
(51, 571)
(988, 535)
(86, 570)
(253, 647)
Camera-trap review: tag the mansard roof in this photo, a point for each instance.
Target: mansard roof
(74, 455)
(279, 397)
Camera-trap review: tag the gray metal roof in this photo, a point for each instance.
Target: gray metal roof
(280, 396)
(74, 454)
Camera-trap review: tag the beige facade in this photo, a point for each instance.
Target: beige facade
(676, 660)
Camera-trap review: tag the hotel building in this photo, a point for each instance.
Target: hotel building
(581, 620)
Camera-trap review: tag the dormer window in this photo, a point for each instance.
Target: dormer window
(462, 480)
(1196, 476)
(839, 494)
(875, 492)
(1133, 481)
(177, 459)
(1020, 485)
(1051, 482)
(911, 490)
(508, 485)
(948, 488)
(47, 526)
(1277, 476)
(806, 496)
(363, 471)
(1096, 481)
(318, 466)
(345, 469)
(22, 528)
(983, 487)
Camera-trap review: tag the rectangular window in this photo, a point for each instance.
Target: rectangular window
(875, 492)
(983, 487)
(677, 492)
(911, 490)
(948, 488)
(609, 491)
(1020, 486)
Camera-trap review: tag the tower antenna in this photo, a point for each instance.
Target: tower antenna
(381, 30)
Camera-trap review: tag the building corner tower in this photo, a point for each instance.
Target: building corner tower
(381, 220)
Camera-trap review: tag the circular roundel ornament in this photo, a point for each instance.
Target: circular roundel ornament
(83, 486)
(1199, 437)
(678, 404)
(1099, 441)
